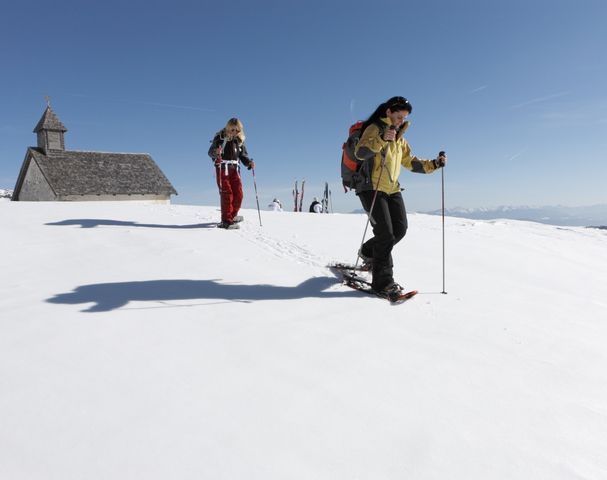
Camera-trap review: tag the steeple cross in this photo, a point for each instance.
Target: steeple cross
(48, 100)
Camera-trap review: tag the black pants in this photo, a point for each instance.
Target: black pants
(389, 221)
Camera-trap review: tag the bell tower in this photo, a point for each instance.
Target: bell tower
(50, 131)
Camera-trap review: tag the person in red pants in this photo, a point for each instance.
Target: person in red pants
(227, 151)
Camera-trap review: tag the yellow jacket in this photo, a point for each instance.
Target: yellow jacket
(374, 150)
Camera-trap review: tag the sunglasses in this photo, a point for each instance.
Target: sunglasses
(400, 103)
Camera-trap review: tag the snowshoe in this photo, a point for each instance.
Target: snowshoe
(394, 294)
(228, 225)
(392, 291)
(342, 266)
(367, 262)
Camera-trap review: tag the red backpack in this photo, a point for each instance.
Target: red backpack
(350, 165)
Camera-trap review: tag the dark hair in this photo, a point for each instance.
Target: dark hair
(395, 104)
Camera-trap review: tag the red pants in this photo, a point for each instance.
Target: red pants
(230, 191)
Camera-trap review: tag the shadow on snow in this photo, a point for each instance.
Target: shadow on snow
(111, 296)
(94, 222)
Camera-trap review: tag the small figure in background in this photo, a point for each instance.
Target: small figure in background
(276, 206)
(315, 206)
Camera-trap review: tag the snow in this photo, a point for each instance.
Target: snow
(138, 341)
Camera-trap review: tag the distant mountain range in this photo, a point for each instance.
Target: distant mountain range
(588, 216)
(593, 215)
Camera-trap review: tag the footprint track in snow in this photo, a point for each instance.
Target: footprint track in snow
(282, 248)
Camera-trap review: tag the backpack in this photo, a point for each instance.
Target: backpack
(356, 174)
(350, 165)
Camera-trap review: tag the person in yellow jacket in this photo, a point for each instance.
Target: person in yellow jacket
(382, 150)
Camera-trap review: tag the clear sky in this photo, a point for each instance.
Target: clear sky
(515, 92)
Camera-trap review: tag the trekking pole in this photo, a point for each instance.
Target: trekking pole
(256, 196)
(442, 178)
(218, 166)
(370, 213)
(383, 164)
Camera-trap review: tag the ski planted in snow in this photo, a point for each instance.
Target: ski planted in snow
(295, 196)
(325, 199)
(303, 183)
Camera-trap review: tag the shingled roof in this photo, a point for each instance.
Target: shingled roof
(49, 121)
(98, 173)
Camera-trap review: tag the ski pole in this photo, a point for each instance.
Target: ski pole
(218, 166)
(383, 164)
(256, 196)
(370, 213)
(442, 178)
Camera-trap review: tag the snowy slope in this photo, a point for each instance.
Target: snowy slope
(137, 341)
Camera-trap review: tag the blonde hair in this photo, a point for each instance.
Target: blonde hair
(234, 122)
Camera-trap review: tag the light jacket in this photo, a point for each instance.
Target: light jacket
(373, 150)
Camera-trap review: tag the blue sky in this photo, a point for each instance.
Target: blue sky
(513, 91)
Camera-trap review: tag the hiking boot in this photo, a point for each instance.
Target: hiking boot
(391, 290)
(367, 262)
(228, 225)
(237, 219)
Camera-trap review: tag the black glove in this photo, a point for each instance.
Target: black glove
(441, 160)
(251, 164)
